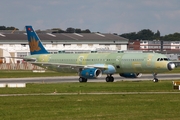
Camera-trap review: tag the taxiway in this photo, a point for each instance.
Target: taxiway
(75, 79)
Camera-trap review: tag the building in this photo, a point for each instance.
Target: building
(155, 45)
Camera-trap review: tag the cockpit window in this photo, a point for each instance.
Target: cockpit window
(163, 59)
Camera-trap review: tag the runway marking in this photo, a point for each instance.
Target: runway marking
(113, 93)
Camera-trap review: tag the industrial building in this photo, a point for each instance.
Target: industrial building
(155, 45)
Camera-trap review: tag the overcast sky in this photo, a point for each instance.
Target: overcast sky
(105, 16)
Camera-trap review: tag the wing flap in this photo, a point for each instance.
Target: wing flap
(63, 65)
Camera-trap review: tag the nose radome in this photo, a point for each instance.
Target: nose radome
(171, 66)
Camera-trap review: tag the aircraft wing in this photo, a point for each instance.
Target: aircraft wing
(63, 65)
(25, 59)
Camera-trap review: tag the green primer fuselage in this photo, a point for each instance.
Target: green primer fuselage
(123, 62)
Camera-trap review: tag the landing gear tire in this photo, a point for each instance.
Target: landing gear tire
(81, 79)
(109, 79)
(155, 80)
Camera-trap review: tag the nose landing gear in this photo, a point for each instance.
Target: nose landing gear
(155, 79)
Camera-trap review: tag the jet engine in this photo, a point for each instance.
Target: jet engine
(90, 73)
(130, 75)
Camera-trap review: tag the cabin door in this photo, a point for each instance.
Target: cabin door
(149, 60)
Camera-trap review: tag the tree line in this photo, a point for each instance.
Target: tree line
(70, 30)
(145, 34)
(8, 28)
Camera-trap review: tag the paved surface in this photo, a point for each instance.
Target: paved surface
(75, 79)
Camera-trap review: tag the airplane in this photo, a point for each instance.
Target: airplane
(93, 65)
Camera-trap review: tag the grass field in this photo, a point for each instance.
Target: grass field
(22, 74)
(88, 101)
(126, 101)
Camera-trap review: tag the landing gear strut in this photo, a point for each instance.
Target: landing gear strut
(155, 77)
(81, 79)
(109, 78)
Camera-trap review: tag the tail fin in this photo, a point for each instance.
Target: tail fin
(35, 45)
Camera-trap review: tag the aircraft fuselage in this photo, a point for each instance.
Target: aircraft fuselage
(122, 62)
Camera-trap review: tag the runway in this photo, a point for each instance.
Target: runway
(61, 79)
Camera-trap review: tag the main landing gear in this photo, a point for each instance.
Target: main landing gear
(155, 79)
(109, 78)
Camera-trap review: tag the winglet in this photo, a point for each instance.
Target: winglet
(35, 45)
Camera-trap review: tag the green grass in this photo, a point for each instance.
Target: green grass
(22, 74)
(139, 106)
(91, 107)
(126, 86)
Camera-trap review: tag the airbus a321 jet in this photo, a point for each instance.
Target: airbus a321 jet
(93, 65)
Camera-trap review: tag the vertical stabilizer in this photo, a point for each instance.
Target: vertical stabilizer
(35, 45)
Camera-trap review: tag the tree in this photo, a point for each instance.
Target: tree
(11, 28)
(70, 30)
(86, 31)
(172, 37)
(145, 34)
(130, 36)
(77, 30)
(157, 35)
(2, 28)
(8, 28)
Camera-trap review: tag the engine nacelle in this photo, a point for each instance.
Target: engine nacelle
(108, 69)
(130, 75)
(90, 73)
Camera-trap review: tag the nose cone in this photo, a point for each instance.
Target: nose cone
(170, 66)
